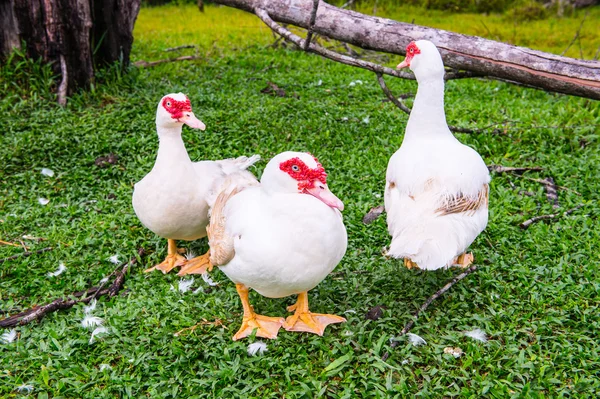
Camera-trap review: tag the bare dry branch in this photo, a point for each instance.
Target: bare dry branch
(25, 254)
(146, 64)
(504, 169)
(425, 305)
(576, 33)
(539, 218)
(38, 312)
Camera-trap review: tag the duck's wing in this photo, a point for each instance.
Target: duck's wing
(461, 203)
(221, 243)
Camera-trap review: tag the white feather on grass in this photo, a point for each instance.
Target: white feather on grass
(61, 269)
(105, 366)
(366, 120)
(91, 321)
(25, 388)
(198, 290)
(99, 330)
(90, 308)
(208, 280)
(43, 201)
(189, 255)
(257, 347)
(9, 336)
(355, 82)
(477, 334)
(184, 285)
(47, 172)
(114, 259)
(416, 340)
(104, 280)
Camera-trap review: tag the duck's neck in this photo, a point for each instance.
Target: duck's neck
(170, 146)
(427, 116)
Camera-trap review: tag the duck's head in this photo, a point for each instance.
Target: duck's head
(424, 59)
(174, 110)
(299, 172)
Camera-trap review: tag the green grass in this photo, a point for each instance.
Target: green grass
(535, 293)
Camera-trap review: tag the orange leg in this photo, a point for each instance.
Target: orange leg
(172, 260)
(267, 327)
(464, 260)
(198, 265)
(409, 264)
(305, 321)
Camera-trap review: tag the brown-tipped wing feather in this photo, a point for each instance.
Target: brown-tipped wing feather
(221, 244)
(461, 203)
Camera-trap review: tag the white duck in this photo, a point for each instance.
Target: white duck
(174, 198)
(436, 194)
(280, 238)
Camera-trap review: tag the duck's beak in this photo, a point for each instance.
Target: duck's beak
(322, 192)
(403, 64)
(190, 119)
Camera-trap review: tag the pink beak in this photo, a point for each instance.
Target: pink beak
(190, 119)
(403, 64)
(322, 192)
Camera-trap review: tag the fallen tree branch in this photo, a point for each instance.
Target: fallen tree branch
(313, 18)
(38, 312)
(25, 254)
(545, 183)
(480, 56)
(539, 218)
(146, 64)
(425, 305)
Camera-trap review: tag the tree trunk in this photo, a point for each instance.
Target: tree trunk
(9, 36)
(113, 29)
(65, 34)
(481, 56)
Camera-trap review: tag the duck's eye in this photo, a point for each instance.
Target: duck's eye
(412, 50)
(295, 168)
(168, 103)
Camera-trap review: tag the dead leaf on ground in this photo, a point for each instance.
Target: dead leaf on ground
(273, 89)
(373, 214)
(104, 162)
(375, 313)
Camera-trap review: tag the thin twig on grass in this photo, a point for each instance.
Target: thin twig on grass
(218, 322)
(539, 218)
(146, 64)
(28, 253)
(38, 312)
(504, 169)
(181, 47)
(545, 182)
(2, 242)
(576, 33)
(551, 192)
(426, 304)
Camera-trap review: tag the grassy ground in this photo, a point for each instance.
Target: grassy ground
(535, 294)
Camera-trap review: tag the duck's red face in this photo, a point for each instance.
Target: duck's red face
(411, 50)
(311, 181)
(181, 111)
